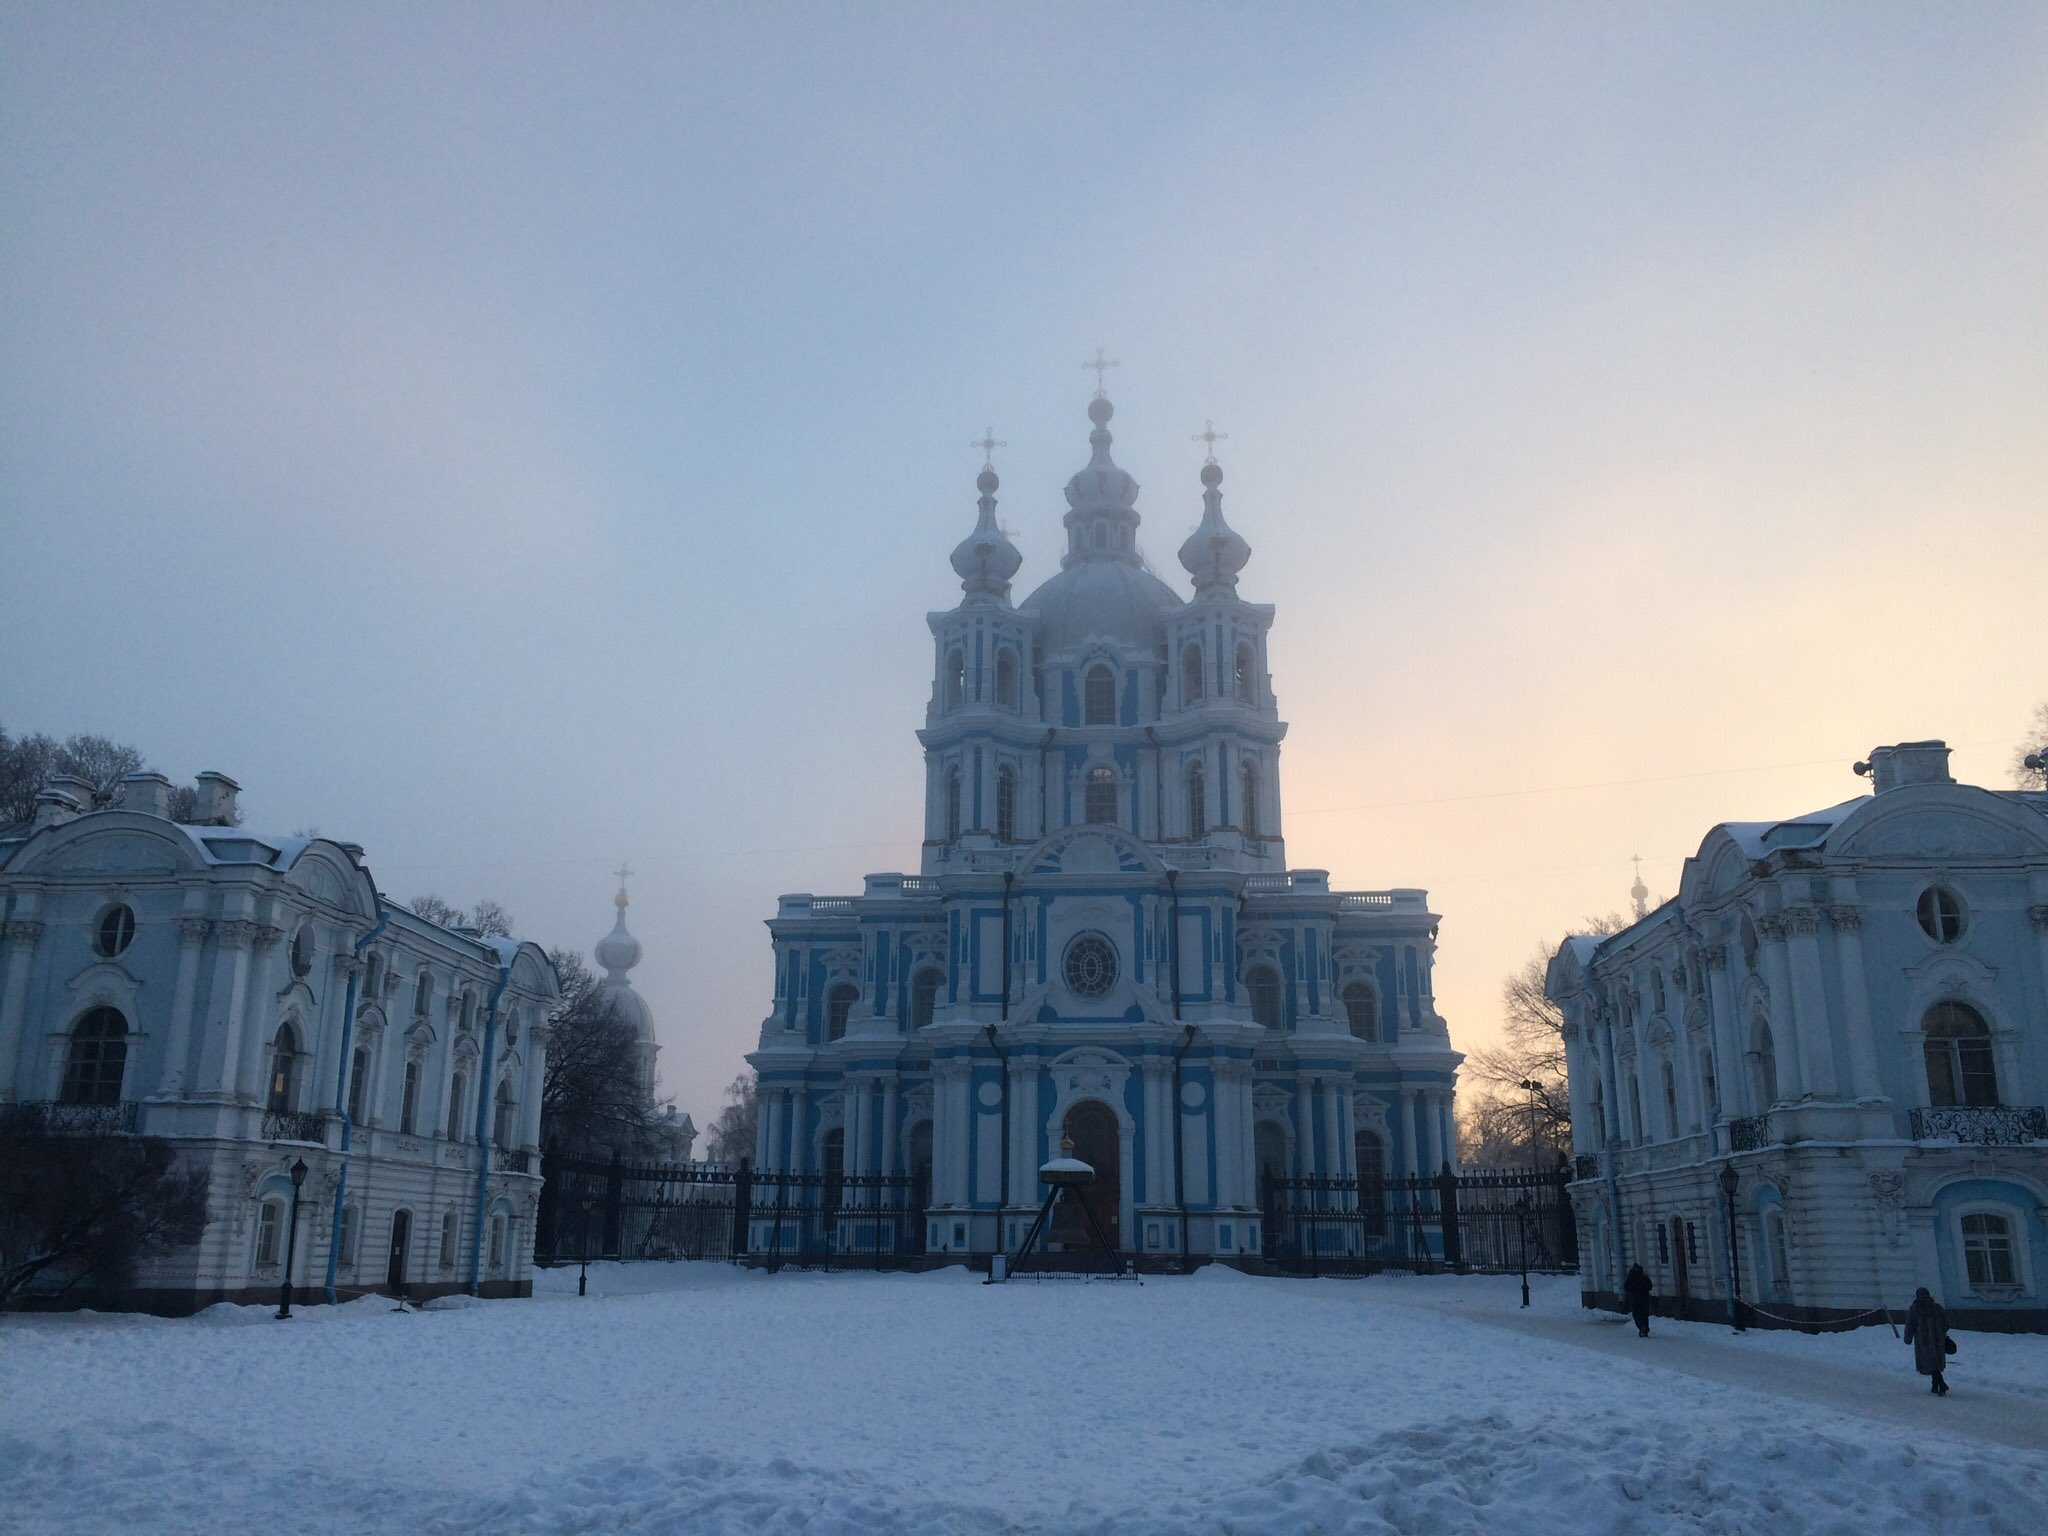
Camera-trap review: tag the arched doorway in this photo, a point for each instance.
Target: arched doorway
(1092, 1128)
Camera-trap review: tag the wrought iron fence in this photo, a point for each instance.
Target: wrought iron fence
(1993, 1125)
(595, 1208)
(1586, 1165)
(1490, 1221)
(292, 1125)
(44, 1118)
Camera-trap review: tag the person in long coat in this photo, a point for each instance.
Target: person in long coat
(1927, 1332)
(1637, 1289)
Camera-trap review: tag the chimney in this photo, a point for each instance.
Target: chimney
(60, 800)
(149, 793)
(216, 799)
(1910, 762)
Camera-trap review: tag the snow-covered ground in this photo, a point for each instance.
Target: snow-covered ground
(700, 1398)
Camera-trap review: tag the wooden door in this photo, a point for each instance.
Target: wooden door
(1092, 1128)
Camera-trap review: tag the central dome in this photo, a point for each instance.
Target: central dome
(1115, 600)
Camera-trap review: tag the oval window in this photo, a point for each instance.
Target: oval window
(116, 930)
(1940, 912)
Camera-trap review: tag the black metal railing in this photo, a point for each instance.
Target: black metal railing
(1986, 1125)
(618, 1210)
(1586, 1166)
(47, 1118)
(294, 1125)
(1749, 1133)
(1487, 1220)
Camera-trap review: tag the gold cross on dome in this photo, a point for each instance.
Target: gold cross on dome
(988, 445)
(1101, 362)
(1211, 437)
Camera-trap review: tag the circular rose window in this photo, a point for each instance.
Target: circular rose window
(1091, 965)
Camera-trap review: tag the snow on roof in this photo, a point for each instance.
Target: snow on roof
(1757, 838)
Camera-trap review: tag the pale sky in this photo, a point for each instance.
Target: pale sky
(521, 438)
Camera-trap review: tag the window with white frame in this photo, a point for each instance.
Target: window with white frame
(838, 1008)
(924, 996)
(451, 1230)
(1198, 802)
(457, 1091)
(956, 679)
(1248, 812)
(1098, 696)
(497, 1242)
(423, 994)
(952, 804)
(1956, 1045)
(409, 1097)
(97, 1060)
(1099, 805)
(1191, 675)
(358, 1084)
(1262, 985)
(1006, 804)
(505, 1118)
(351, 1221)
(116, 930)
(269, 1232)
(1670, 1077)
(1991, 1256)
(1247, 674)
(1361, 1010)
(1940, 912)
(284, 1056)
(1006, 678)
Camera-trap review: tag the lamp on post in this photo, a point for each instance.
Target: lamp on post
(1532, 1088)
(583, 1275)
(291, 1240)
(1728, 1179)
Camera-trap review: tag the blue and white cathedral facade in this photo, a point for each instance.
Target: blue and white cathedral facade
(1104, 943)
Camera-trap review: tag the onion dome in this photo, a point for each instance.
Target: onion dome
(618, 951)
(986, 559)
(1103, 521)
(1214, 553)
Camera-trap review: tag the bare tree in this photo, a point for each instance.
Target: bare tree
(86, 1210)
(593, 1097)
(487, 917)
(2035, 745)
(731, 1136)
(1499, 1113)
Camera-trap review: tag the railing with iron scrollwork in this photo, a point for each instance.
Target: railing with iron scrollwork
(1988, 1125)
(1586, 1166)
(293, 1125)
(51, 1119)
(1749, 1133)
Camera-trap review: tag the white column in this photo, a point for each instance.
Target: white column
(1409, 1134)
(892, 1129)
(262, 1028)
(1786, 1026)
(221, 1043)
(1333, 1145)
(178, 1040)
(1731, 1080)
(1305, 1126)
(1865, 1080)
(1024, 1132)
(1347, 1132)
(21, 936)
(1816, 1038)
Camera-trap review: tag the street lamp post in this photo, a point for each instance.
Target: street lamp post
(1532, 1087)
(583, 1275)
(1728, 1180)
(291, 1240)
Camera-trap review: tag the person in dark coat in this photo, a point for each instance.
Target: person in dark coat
(1637, 1289)
(1927, 1332)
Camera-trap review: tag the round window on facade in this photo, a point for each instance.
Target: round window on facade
(302, 950)
(116, 930)
(1940, 912)
(1090, 966)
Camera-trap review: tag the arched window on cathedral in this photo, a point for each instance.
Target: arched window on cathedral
(1006, 678)
(1362, 1010)
(1098, 696)
(1006, 804)
(838, 1005)
(1957, 1048)
(409, 1099)
(952, 804)
(1710, 1091)
(1248, 813)
(924, 997)
(458, 1091)
(1669, 1077)
(423, 994)
(1101, 795)
(1198, 802)
(956, 679)
(1763, 1061)
(1247, 681)
(1191, 675)
(1262, 983)
(284, 1056)
(505, 1118)
(358, 1084)
(97, 1060)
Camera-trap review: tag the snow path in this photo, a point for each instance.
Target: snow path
(694, 1399)
(1714, 1352)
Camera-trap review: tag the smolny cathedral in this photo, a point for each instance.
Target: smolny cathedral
(1104, 948)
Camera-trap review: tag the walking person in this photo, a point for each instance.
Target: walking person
(1637, 1289)
(1927, 1332)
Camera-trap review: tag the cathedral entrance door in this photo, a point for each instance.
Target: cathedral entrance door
(1092, 1128)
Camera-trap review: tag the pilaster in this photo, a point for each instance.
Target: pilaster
(21, 935)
